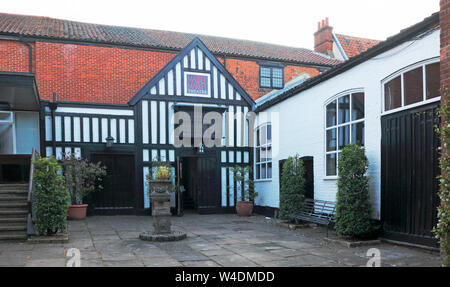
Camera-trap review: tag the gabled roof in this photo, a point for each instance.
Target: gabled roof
(407, 34)
(196, 43)
(65, 30)
(353, 46)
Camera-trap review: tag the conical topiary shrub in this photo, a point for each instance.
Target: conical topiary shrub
(353, 208)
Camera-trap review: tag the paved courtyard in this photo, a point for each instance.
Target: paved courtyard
(213, 240)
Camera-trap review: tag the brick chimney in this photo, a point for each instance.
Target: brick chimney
(323, 38)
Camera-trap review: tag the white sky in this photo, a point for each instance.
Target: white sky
(285, 22)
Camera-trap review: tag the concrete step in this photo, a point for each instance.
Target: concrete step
(13, 197)
(13, 213)
(13, 220)
(13, 235)
(22, 227)
(14, 192)
(14, 186)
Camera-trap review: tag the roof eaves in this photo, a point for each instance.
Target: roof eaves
(341, 49)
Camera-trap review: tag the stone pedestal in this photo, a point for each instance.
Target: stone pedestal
(160, 203)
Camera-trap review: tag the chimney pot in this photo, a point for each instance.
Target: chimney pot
(318, 26)
(326, 21)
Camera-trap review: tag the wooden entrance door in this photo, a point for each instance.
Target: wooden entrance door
(208, 186)
(118, 195)
(409, 167)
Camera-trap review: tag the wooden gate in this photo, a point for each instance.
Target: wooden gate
(409, 170)
(118, 195)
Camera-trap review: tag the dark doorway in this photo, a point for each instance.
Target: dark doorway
(409, 170)
(308, 164)
(201, 186)
(118, 195)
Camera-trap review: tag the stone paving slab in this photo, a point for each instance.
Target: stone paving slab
(213, 240)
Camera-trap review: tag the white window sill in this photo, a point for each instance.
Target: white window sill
(263, 180)
(334, 177)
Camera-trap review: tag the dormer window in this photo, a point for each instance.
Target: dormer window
(271, 76)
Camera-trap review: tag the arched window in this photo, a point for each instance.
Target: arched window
(415, 85)
(344, 126)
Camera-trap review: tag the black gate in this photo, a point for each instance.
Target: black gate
(409, 170)
(118, 195)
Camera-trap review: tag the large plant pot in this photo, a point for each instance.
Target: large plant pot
(77, 211)
(244, 208)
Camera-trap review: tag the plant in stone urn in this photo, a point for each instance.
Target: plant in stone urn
(244, 182)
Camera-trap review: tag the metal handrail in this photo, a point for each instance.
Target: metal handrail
(30, 226)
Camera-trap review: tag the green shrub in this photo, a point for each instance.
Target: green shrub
(442, 230)
(244, 182)
(353, 208)
(292, 194)
(50, 197)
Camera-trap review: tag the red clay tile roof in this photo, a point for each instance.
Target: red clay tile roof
(354, 46)
(50, 28)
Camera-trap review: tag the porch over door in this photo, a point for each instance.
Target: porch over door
(409, 170)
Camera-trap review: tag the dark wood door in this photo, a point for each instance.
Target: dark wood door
(409, 170)
(118, 195)
(208, 187)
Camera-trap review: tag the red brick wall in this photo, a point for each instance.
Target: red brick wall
(14, 56)
(247, 74)
(445, 48)
(94, 74)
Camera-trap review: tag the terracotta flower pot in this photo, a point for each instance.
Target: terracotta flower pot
(77, 211)
(244, 208)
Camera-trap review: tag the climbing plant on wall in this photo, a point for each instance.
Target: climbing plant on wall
(442, 230)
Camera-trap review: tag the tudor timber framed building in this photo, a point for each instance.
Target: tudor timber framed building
(65, 87)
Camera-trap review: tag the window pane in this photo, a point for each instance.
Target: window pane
(358, 134)
(277, 83)
(263, 154)
(331, 114)
(331, 140)
(413, 81)
(357, 106)
(331, 164)
(263, 135)
(269, 153)
(393, 94)
(344, 109)
(269, 133)
(277, 73)
(344, 136)
(263, 171)
(265, 72)
(433, 75)
(258, 141)
(269, 170)
(265, 82)
(258, 154)
(257, 173)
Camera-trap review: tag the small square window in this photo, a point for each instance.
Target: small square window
(271, 77)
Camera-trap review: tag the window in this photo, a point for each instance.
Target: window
(271, 77)
(263, 152)
(415, 85)
(344, 126)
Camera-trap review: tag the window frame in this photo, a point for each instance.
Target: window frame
(402, 73)
(260, 146)
(336, 126)
(271, 66)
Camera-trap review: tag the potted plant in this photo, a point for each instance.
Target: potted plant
(82, 178)
(244, 182)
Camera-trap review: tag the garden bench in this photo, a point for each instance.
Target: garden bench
(317, 211)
